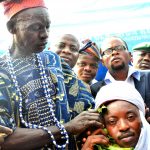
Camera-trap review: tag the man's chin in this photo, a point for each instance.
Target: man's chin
(86, 80)
(118, 67)
(38, 50)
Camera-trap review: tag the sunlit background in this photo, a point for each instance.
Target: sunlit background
(94, 19)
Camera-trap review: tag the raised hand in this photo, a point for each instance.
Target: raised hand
(4, 132)
(97, 137)
(83, 121)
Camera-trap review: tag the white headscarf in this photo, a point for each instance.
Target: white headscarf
(124, 91)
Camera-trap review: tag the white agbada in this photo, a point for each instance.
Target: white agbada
(125, 91)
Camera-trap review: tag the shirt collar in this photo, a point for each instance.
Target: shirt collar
(132, 72)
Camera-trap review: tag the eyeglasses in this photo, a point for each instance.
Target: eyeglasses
(118, 48)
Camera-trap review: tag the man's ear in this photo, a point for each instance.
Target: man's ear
(11, 26)
(130, 57)
(103, 63)
(101, 56)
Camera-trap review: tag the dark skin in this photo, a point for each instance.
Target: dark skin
(123, 125)
(141, 60)
(117, 62)
(92, 134)
(4, 132)
(67, 47)
(86, 67)
(28, 137)
(30, 33)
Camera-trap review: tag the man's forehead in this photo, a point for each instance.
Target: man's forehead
(69, 38)
(87, 57)
(68, 41)
(141, 52)
(28, 17)
(117, 105)
(33, 12)
(109, 43)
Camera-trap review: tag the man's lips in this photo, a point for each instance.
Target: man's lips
(115, 59)
(66, 58)
(126, 136)
(42, 43)
(128, 139)
(145, 64)
(86, 75)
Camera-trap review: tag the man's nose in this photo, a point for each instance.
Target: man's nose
(87, 68)
(44, 33)
(66, 49)
(147, 57)
(123, 125)
(114, 52)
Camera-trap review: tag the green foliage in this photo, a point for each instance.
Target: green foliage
(102, 109)
(111, 147)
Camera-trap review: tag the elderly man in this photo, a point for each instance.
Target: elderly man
(87, 63)
(40, 97)
(67, 47)
(116, 57)
(123, 111)
(141, 56)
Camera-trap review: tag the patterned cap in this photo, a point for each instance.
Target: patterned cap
(145, 46)
(12, 7)
(90, 48)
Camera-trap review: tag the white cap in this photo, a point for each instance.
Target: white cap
(120, 90)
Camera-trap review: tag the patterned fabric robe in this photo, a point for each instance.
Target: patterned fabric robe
(69, 95)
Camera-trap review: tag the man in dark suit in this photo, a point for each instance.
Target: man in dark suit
(116, 57)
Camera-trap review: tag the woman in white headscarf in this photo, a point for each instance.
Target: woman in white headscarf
(121, 91)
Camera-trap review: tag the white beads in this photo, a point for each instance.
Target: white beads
(50, 103)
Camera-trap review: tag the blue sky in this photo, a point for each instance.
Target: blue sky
(91, 18)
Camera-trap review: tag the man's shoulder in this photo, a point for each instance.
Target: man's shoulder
(145, 73)
(97, 84)
(144, 80)
(50, 53)
(96, 87)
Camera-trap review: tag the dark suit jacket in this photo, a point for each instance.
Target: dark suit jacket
(143, 86)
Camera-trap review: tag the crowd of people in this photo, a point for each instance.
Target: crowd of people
(48, 98)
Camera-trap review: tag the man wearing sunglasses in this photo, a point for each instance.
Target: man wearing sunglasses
(116, 57)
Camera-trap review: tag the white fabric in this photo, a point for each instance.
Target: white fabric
(144, 140)
(120, 90)
(132, 73)
(125, 91)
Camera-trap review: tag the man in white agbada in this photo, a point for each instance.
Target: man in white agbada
(125, 118)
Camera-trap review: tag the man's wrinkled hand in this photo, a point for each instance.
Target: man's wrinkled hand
(4, 132)
(83, 121)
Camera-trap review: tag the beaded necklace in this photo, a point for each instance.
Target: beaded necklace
(49, 101)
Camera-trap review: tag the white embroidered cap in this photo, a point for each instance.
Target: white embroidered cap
(120, 90)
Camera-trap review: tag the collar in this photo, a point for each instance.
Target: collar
(131, 73)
